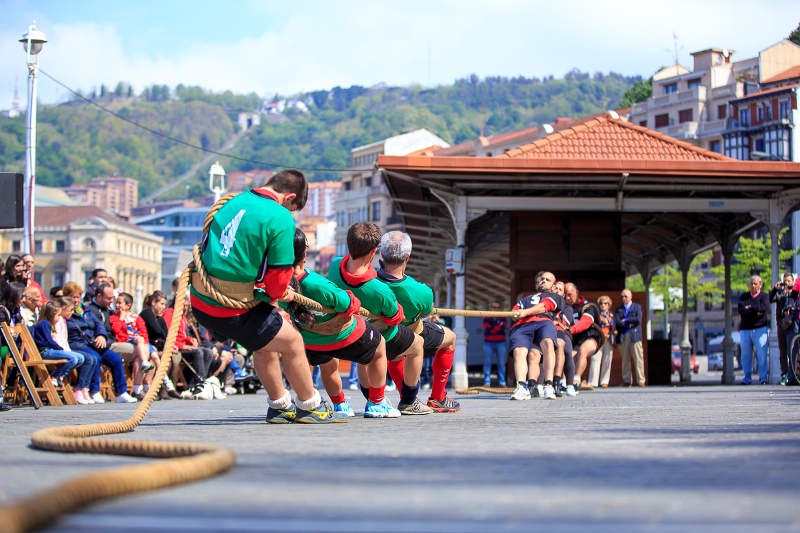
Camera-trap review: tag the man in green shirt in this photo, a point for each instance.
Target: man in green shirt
(248, 253)
(344, 334)
(354, 272)
(417, 301)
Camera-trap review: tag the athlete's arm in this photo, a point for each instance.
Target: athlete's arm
(545, 306)
(582, 325)
(280, 255)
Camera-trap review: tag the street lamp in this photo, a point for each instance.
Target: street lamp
(32, 41)
(216, 180)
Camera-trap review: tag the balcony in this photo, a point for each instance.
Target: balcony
(353, 194)
(733, 124)
(715, 126)
(686, 130)
(698, 94)
(726, 91)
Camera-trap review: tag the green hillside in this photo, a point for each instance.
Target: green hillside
(77, 141)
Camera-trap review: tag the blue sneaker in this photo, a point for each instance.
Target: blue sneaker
(381, 410)
(343, 407)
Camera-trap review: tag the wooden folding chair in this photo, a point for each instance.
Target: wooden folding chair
(35, 356)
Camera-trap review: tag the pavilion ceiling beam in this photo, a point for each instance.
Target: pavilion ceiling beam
(641, 205)
(633, 178)
(421, 182)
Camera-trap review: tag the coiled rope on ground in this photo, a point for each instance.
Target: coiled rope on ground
(184, 461)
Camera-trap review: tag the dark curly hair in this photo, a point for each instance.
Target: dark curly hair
(299, 312)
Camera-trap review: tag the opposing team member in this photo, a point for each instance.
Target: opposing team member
(565, 364)
(587, 335)
(354, 272)
(416, 300)
(329, 337)
(534, 326)
(248, 255)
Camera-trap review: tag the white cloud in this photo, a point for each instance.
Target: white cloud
(323, 45)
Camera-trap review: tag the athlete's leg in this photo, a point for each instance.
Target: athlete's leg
(558, 371)
(413, 362)
(332, 380)
(548, 358)
(289, 344)
(585, 350)
(520, 363)
(534, 360)
(442, 364)
(376, 369)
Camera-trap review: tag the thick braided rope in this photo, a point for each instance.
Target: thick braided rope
(189, 461)
(493, 390)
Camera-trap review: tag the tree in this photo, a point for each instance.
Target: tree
(641, 91)
(751, 257)
(795, 35)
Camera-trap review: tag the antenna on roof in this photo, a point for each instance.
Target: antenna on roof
(676, 49)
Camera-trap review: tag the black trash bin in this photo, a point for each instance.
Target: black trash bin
(659, 362)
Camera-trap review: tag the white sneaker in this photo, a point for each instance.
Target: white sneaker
(146, 367)
(571, 390)
(391, 387)
(230, 389)
(521, 393)
(549, 393)
(353, 386)
(168, 384)
(539, 390)
(96, 398)
(125, 398)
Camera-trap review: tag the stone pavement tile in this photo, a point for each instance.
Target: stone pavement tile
(658, 459)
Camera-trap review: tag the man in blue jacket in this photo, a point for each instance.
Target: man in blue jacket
(86, 334)
(628, 323)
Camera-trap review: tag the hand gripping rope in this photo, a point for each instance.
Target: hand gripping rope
(185, 461)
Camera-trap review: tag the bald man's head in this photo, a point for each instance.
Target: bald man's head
(570, 293)
(627, 296)
(545, 281)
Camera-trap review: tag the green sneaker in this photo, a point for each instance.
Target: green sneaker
(282, 416)
(324, 414)
(784, 379)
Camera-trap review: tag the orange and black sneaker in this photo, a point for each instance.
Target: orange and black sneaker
(445, 405)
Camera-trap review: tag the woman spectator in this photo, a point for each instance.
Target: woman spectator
(152, 316)
(196, 359)
(218, 362)
(780, 295)
(130, 327)
(43, 336)
(88, 336)
(14, 272)
(607, 350)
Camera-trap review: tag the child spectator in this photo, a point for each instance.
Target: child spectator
(130, 327)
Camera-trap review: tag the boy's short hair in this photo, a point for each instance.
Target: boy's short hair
(362, 238)
(290, 180)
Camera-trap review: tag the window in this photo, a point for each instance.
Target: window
(783, 109)
(61, 246)
(768, 110)
(59, 277)
(722, 111)
(488, 154)
(643, 123)
(37, 247)
(759, 113)
(744, 117)
(16, 246)
(693, 83)
(671, 88)
(37, 277)
(776, 143)
(759, 145)
(376, 211)
(685, 116)
(346, 185)
(662, 120)
(714, 146)
(738, 147)
(368, 182)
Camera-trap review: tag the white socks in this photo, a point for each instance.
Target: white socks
(137, 389)
(281, 403)
(310, 404)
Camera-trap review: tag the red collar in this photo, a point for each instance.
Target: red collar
(352, 279)
(265, 193)
(581, 300)
(302, 276)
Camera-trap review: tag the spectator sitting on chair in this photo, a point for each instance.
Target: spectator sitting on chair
(14, 272)
(98, 277)
(10, 299)
(87, 335)
(56, 292)
(129, 328)
(753, 330)
(151, 314)
(197, 361)
(31, 303)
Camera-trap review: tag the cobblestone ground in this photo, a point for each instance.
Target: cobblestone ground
(657, 459)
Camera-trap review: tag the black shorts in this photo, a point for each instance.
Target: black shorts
(560, 334)
(432, 335)
(362, 351)
(584, 336)
(401, 342)
(253, 330)
(531, 334)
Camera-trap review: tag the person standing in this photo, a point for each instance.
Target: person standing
(600, 367)
(494, 347)
(628, 323)
(753, 330)
(779, 295)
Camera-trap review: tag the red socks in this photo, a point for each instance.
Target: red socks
(339, 398)
(376, 394)
(396, 372)
(442, 363)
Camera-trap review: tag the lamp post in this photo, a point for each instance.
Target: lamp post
(32, 41)
(216, 180)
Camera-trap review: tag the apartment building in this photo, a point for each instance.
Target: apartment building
(322, 200)
(115, 194)
(364, 195)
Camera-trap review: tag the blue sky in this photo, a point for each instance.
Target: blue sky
(292, 46)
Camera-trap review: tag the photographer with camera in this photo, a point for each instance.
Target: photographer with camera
(780, 295)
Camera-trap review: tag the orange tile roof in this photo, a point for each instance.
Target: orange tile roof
(609, 138)
(793, 72)
(64, 215)
(767, 91)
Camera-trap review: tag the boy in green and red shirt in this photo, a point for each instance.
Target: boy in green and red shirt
(354, 272)
(417, 301)
(248, 253)
(344, 334)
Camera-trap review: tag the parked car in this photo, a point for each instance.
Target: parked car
(676, 362)
(715, 361)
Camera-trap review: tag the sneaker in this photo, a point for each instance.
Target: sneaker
(426, 386)
(784, 379)
(558, 391)
(445, 405)
(521, 393)
(391, 387)
(571, 392)
(585, 386)
(354, 386)
(80, 397)
(96, 398)
(416, 408)
(282, 416)
(242, 375)
(549, 393)
(536, 392)
(146, 367)
(230, 390)
(381, 410)
(323, 414)
(345, 408)
(125, 398)
(140, 395)
(54, 381)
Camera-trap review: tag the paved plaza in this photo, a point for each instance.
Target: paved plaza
(707, 458)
